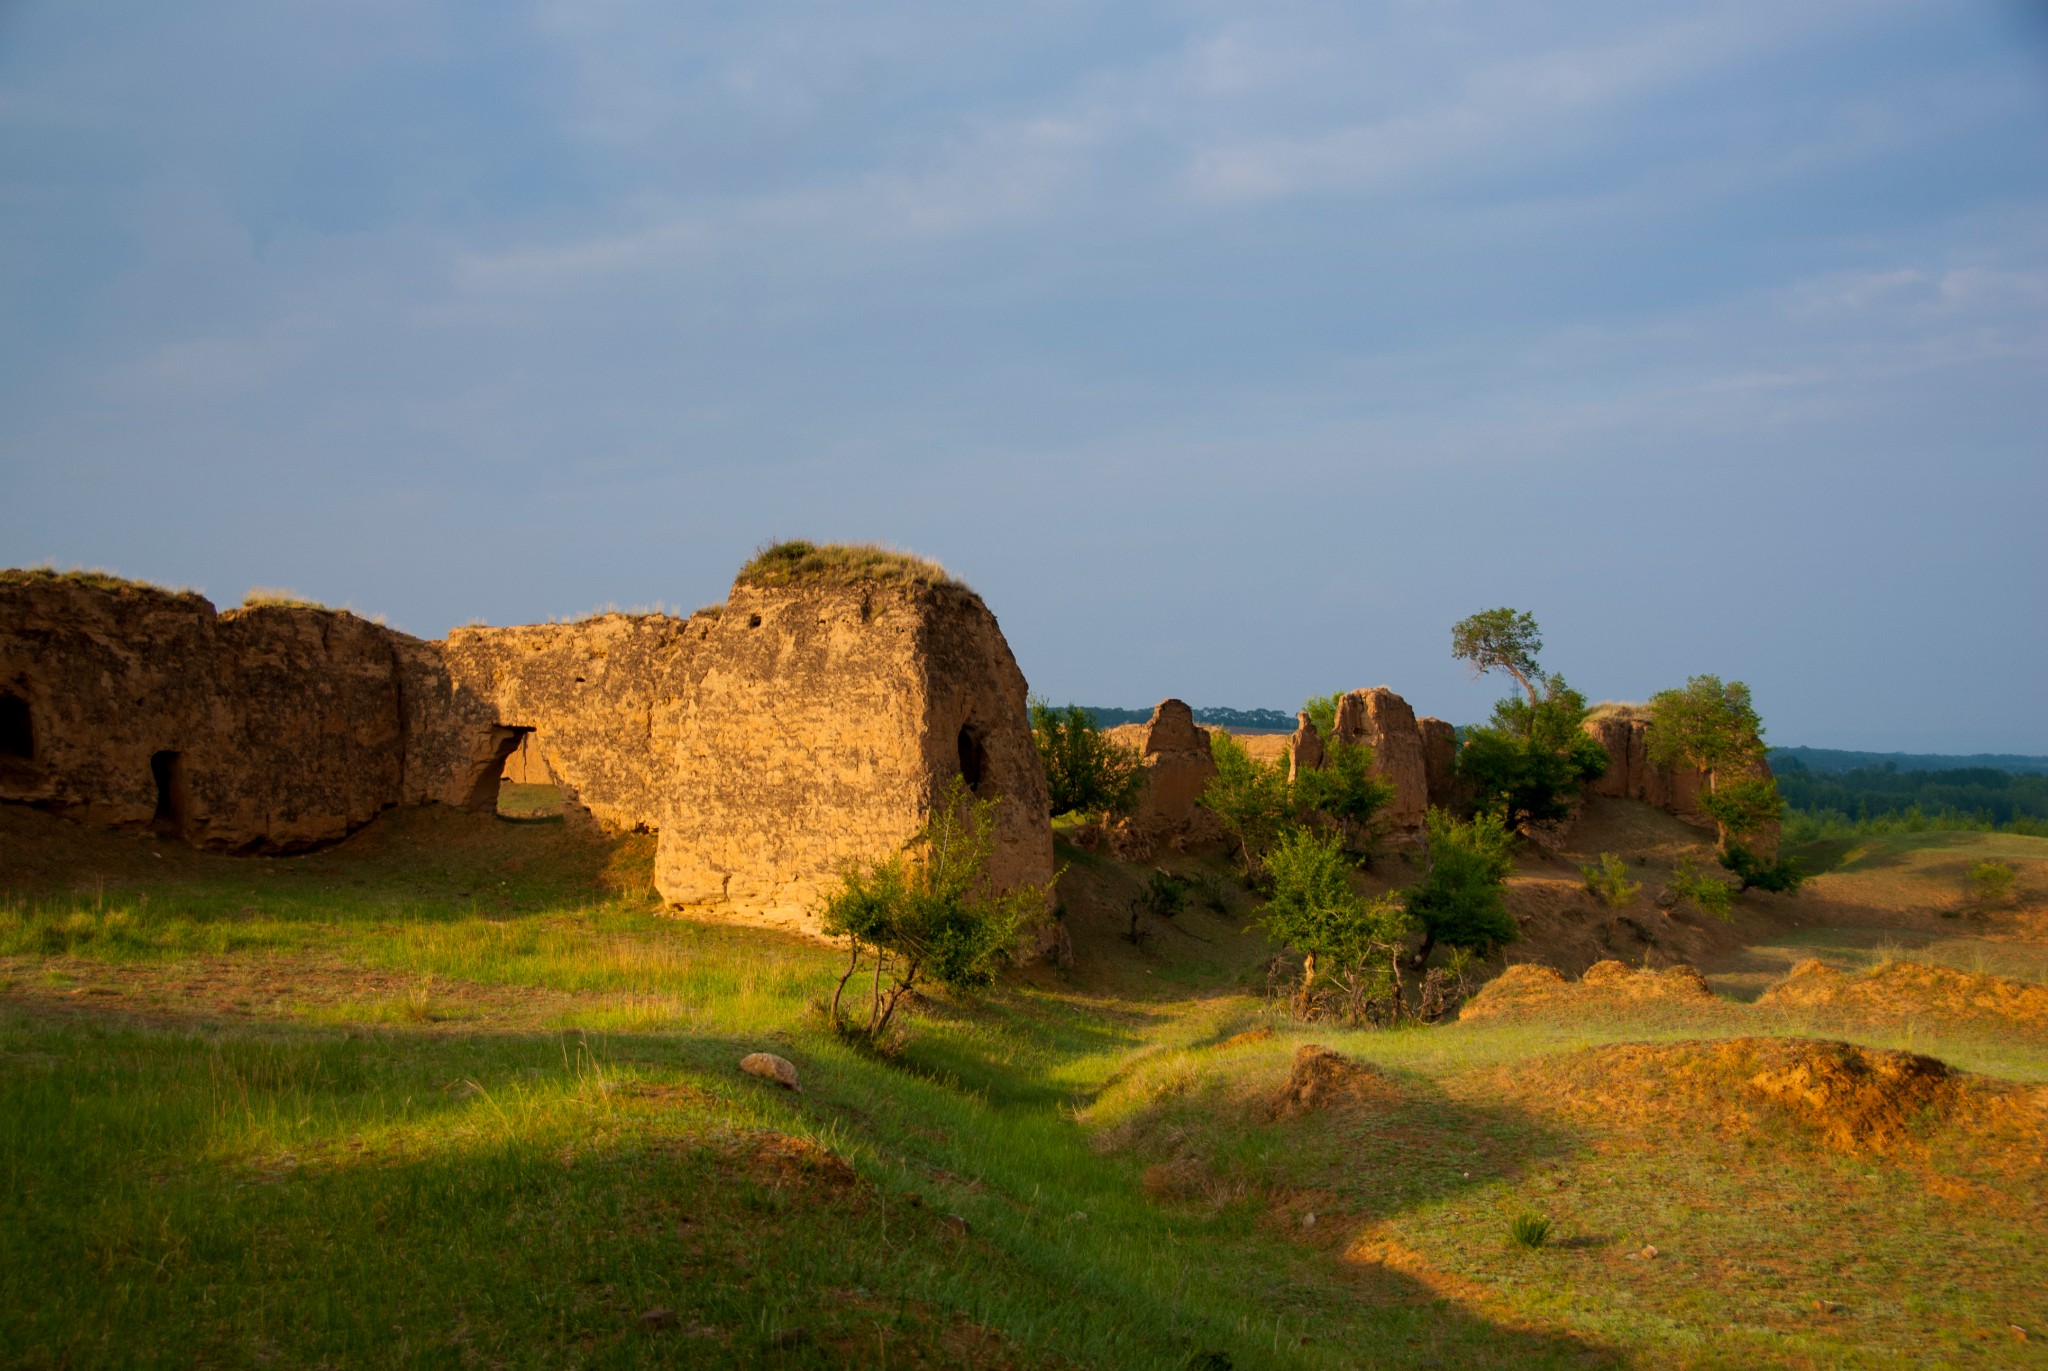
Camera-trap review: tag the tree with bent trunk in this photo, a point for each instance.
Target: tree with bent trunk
(1501, 639)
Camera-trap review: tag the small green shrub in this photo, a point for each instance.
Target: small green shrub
(1704, 892)
(1164, 896)
(1085, 772)
(1608, 882)
(1250, 798)
(1752, 872)
(930, 912)
(1529, 1231)
(1348, 942)
(1991, 884)
(1459, 899)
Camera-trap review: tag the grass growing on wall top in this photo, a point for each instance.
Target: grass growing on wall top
(800, 563)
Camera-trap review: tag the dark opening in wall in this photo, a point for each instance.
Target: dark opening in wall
(168, 769)
(973, 757)
(17, 731)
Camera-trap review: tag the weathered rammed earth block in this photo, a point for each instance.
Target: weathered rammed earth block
(1440, 761)
(1383, 721)
(269, 729)
(1178, 767)
(826, 715)
(603, 698)
(1625, 732)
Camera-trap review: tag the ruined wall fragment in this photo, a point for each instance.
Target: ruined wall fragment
(822, 724)
(1624, 733)
(1178, 766)
(1382, 720)
(269, 729)
(603, 698)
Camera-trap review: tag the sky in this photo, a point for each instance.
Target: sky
(1231, 352)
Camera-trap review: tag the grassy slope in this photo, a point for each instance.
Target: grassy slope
(455, 1094)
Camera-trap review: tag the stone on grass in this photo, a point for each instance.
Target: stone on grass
(770, 1067)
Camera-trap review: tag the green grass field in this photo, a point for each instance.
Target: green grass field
(457, 1094)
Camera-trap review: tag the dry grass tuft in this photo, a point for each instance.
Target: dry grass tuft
(277, 597)
(1321, 1079)
(1849, 1098)
(95, 578)
(799, 563)
(1529, 991)
(1912, 990)
(1619, 709)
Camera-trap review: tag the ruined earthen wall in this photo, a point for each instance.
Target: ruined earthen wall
(1178, 767)
(271, 729)
(1383, 721)
(821, 724)
(1440, 762)
(1632, 775)
(603, 697)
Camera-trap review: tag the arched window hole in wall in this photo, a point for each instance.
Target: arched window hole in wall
(527, 787)
(168, 771)
(973, 758)
(17, 730)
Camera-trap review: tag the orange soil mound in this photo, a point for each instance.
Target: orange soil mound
(1912, 989)
(1849, 1098)
(1529, 989)
(1320, 1079)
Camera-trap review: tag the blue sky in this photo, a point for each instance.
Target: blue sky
(1232, 352)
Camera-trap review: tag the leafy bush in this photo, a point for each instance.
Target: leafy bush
(1458, 902)
(1250, 798)
(930, 911)
(1529, 1230)
(1346, 940)
(1322, 712)
(1991, 884)
(1085, 771)
(1344, 791)
(1608, 882)
(1708, 895)
(1164, 896)
(1530, 761)
(1752, 872)
(1714, 728)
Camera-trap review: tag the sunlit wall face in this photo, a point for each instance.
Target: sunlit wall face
(1231, 355)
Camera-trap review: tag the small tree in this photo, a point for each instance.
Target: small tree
(1608, 881)
(1322, 712)
(1714, 728)
(930, 912)
(1991, 884)
(1459, 900)
(1249, 797)
(1501, 640)
(1344, 939)
(1783, 876)
(1344, 791)
(1705, 893)
(1528, 763)
(1085, 771)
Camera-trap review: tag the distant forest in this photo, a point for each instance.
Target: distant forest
(1829, 760)
(1871, 792)
(1108, 717)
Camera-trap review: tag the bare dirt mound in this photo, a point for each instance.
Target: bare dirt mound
(1529, 990)
(1849, 1098)
(1903, 990)
(1321, 1079)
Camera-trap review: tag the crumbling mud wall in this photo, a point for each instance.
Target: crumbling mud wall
(1440, 762)
(1382, 720)
(1631, 775)
(822, 724)
(269, 729)
(603, 698)
(1178, 765)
